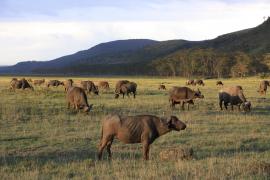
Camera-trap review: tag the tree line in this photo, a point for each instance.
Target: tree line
(211, 63)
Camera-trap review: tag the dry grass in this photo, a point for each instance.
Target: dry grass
(41, 139)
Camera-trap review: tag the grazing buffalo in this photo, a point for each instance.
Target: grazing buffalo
(39, 82)
(20, 84)
(127, 88)
(219, 83)
(77, 98)
(136, 129)
(68, 83)
(103, 85)
(119, 84)
(263, 87)
(161, 87)
(178, 95)
(199, 82)
(55, 83)
(89, 87)
(190, 82)
(234, 96)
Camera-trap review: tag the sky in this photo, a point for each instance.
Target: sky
(47, 29)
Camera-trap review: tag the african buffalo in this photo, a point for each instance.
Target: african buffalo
(127, 88)
(103, 85)
(161, 87)
(199, 82)
(219, 83)
(39, 82)
(55, 83)
(20, 84)
(68, 83)
(234, 96)
(263, 87)
(89, 87)
(136, 129)
(190, 82)
(183, 95)
(77, 98)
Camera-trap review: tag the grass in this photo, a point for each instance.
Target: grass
(41, 139)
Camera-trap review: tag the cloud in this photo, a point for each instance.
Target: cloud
(43, 30)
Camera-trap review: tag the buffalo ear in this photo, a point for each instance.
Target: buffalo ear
(169, 121)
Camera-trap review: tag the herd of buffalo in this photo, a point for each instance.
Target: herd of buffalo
(141, 128)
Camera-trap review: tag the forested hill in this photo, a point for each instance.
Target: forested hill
(236, 52)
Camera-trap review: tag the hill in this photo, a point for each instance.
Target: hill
(136, 56)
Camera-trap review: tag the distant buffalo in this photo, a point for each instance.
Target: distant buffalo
(89, 87)
(190, 82)
(127, 88)
(219, 83)
(39, 82)
(136, 129)
(77, 98)
(103, 85)
(182, 95)
(20, 84)
(199, 82)
(68, 83)
(263, 87)
(234, 96)
(161, 87)
(55, 83)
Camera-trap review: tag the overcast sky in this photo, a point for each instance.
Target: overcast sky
(47, 29)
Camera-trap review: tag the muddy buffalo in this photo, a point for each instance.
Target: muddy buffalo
(89, 87)
(20, 84)
(76, 97)
(127, 88)
(178, 95)
(136, 129)
(103, 85)
(234, 96)
(55, 83)
(38, 82)
(263, 87)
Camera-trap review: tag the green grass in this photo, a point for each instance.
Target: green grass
(41, 139)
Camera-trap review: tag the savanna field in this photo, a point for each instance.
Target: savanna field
(41, 139)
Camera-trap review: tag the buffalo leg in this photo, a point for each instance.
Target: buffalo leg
(134, 95)
(220, 105)
(109, 144)
(226, 105)
(123, 95)
(103, 143)
(146, 150)
(183, 105)
(232, 107)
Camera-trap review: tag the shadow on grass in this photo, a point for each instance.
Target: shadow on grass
(64, 157)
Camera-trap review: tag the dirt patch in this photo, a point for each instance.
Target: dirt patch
(176, 153)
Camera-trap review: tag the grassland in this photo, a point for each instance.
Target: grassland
(41, 139)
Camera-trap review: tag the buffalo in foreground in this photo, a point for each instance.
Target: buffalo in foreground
(136, 129)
